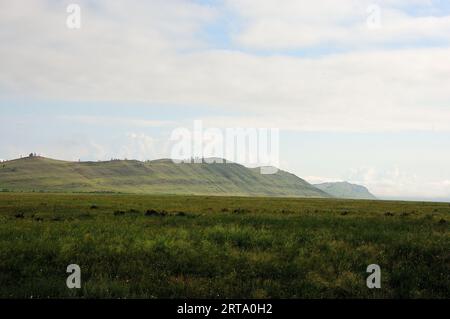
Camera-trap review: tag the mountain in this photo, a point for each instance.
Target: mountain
(153, 177)
(346, 190)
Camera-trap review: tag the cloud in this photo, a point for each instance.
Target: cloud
(392, 183)
(115, 121)
(70, 148)
(396, 182)
(131, 52)
(320, 179)
(294, 24)
(139, 147)
(132, 146)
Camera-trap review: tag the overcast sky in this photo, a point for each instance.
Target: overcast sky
(360, 90)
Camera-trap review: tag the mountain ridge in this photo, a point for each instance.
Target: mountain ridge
(161, 176)
(346, 190)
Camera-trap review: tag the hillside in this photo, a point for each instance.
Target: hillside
(346, 190)
(153, 177)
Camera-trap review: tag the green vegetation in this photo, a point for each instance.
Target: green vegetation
(38, 174)
(220, 247)
(345, 190)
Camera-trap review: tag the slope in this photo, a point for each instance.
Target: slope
(346, 190)
(153, 177)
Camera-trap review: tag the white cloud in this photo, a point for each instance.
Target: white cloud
(113, 58)
(395, 182)
(142, 147)
(116, 121)
(392, 183)
(72, 149)
(293, 24)
(139, 147)
(158, 61)
(320, 179)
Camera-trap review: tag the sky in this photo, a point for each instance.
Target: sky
(359, 90)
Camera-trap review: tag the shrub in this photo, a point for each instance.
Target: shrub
(152, 212)
(241, 211)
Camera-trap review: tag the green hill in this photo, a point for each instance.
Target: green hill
(346, 190)
(153, 177)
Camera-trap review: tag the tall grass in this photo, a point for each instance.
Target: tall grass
(221, 247)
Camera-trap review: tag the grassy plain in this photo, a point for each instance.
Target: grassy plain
(221, 247)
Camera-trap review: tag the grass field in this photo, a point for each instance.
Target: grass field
(221, 247)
